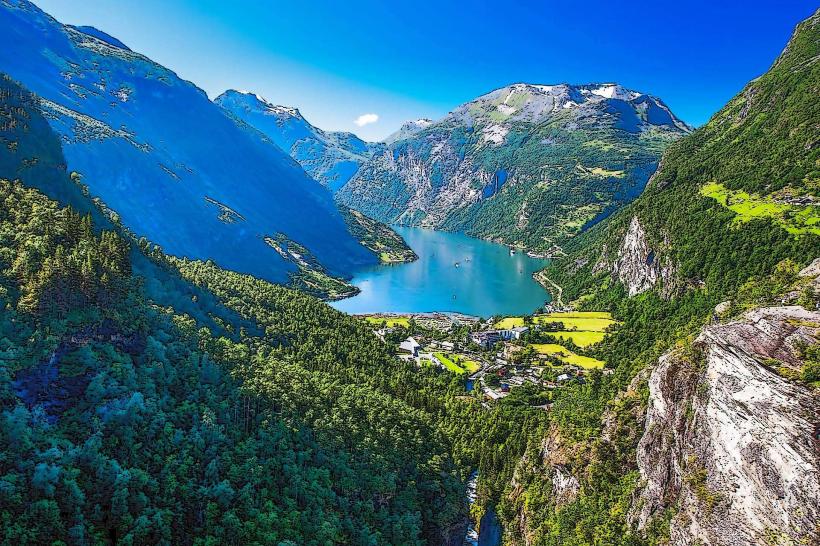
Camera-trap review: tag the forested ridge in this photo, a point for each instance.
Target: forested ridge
(150, 399)
(124, 421)
(763, 141)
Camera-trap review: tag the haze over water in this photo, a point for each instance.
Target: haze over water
(487, 281)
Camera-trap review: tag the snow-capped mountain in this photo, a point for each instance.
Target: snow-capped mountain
(171, 164)
(524, 164)
(408, 129)
(521, 102)
(329, 157)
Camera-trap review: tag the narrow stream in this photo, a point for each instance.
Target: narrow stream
(471, 538)
(489, 532)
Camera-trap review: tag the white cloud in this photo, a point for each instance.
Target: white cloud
(366, 119)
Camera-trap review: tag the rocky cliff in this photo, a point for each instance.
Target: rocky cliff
(730, 446)
(637, 265)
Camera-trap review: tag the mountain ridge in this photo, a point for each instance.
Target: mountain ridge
(331, 157)
(528, 165)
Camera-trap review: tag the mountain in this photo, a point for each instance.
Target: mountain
(730, 201)
(329, 157)
(408, 129)
(530, 165)
(146, 399)
(707, 431)
(170, 164)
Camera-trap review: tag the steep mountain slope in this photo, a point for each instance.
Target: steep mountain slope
(729, 440)
(151, 400)
(167, 160)
(526, 164)
(706, 431)
(329, 157)
(729, 201)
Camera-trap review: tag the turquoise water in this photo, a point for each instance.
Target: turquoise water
(487, 281)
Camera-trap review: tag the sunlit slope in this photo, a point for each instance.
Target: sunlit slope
(166, 159)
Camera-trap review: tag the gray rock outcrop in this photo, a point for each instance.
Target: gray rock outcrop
(728, 442)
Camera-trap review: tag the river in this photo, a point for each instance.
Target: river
(489, 533)
(454, 273)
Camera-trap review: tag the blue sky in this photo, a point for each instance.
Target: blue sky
(337, 61)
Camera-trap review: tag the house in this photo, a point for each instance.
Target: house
(513, 333)
(505, 387)
(448, 345)
(485, 338)
(493, 394)
(563, 377)
(410, 345)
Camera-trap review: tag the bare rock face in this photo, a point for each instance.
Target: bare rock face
(730, 442)
(565, 486)
(812, 270)
(638, 266)
(555, 461)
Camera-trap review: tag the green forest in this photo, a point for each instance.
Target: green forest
(150, 399)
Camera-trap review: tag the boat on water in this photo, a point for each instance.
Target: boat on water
(512, 252)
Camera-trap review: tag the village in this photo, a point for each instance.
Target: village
(503, 355)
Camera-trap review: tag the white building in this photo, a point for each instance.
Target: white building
(513, 333)
(410, 345)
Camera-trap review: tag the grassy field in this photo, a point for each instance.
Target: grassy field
(795, 219)
(391, 322)
(457, 363)
(470, 365)
(584, 328)
(584, 321)
(582, 339)
(509, 322)
(567, 356)
(449, 364)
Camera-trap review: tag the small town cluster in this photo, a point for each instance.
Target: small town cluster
(497, 356)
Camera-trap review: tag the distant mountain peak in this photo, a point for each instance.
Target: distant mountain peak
(331, 157)
(408, 129)
(610, 91)
(255, 102)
